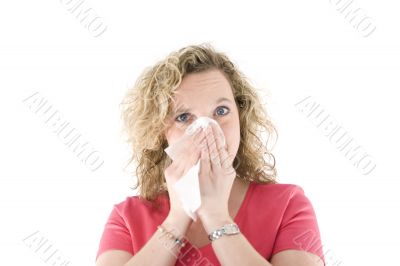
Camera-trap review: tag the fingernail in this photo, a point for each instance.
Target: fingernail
(191, 131)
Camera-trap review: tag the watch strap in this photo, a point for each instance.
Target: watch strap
(227, 229)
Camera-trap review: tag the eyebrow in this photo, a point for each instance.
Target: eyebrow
(221, 99)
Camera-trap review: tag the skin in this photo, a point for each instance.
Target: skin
(221, 193)
(199, 92)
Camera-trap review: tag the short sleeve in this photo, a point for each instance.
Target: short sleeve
(116, 234)
(299, 227)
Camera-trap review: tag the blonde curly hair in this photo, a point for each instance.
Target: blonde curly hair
(147, 106)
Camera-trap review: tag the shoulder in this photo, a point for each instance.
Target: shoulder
(280, 196)
(275, 190)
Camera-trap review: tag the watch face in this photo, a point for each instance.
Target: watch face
(231, 229)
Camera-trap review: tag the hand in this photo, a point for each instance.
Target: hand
(185, 155)
(216, 177)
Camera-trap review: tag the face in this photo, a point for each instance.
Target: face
(205, 94)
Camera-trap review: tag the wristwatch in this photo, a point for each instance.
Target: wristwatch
(227, 229)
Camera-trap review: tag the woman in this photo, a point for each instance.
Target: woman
(245, 217)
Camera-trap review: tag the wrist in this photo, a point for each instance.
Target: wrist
(214, 222)
(177, 222)
(179, 217)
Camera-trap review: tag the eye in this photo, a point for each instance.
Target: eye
(222, 109)
(180, 116)
(183, 117)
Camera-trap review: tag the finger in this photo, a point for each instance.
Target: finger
(178, 149)
(213, 152)
(222, 149)
(198, 136)
(197, 147)
(220, 133)
(205, 166)
(190, 130)
(193, 138)
(187, 145)
(219, 142)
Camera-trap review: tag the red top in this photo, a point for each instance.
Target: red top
(272, 217)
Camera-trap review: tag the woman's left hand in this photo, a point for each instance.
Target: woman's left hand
(216, 176)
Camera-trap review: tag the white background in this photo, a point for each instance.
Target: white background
(288, 49)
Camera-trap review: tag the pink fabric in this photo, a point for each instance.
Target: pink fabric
(272, 217)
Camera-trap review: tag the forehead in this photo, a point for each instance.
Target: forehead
(203, 85)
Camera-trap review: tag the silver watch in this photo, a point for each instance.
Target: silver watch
(227, 229)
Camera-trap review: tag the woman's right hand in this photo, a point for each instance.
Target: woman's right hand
(189, 153)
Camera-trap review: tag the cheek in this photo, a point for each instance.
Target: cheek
(172, 135)
(232, 136)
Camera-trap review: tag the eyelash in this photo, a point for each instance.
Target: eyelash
(176, 119)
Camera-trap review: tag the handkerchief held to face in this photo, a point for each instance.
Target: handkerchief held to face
(187, 187)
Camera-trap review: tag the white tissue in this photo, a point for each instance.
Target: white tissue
(187, 187)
